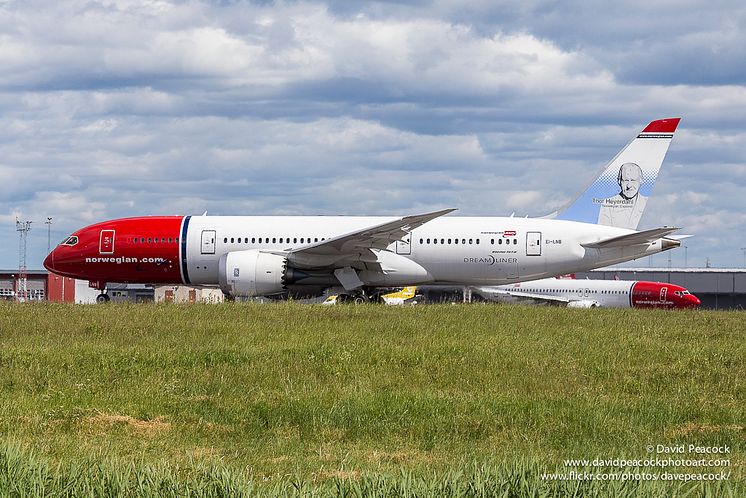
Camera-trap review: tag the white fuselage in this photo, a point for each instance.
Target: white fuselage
(605, 293)
(465, 250)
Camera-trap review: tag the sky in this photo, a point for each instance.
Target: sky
(125, 108)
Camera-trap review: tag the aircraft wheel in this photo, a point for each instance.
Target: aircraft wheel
(360, 299)
(102, 299)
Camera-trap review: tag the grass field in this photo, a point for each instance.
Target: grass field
(219, 400)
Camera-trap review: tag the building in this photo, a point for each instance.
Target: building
(185, 294)
(40, 286)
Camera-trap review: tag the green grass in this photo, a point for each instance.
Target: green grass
(308, 397)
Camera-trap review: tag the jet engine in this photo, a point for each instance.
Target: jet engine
(585, 303)
(252, 273)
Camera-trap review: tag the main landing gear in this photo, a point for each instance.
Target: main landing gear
(357, 298)
(360, 297)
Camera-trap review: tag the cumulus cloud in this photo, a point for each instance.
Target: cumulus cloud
(129, 107)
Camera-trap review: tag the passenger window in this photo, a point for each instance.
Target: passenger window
(449, 241)
(492, 241)
(150, 240)
(477, 241)
(471, 241)
(420, 241)
(435, 241)
(274, 240)
(515, 242)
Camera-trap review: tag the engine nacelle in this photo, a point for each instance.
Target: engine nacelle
(252, 273)
(585, 303)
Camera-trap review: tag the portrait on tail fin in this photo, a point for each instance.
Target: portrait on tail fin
(625, 208)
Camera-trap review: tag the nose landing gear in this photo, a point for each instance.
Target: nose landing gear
(99, 285)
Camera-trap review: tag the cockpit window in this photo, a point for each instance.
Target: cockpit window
(70, 241)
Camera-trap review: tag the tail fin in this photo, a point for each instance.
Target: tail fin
(617, 197)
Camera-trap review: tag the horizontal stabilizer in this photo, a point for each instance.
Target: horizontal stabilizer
(680, 237)
(632, 239)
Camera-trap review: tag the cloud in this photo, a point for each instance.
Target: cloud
(113, 109)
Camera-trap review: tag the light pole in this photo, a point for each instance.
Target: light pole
(48, 223)
(744, 256)
(686, 259)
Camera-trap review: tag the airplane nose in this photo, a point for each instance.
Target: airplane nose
(49, 261)
(694, 300)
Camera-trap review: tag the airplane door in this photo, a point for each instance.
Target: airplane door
(106, 242)
(404, 246)
(533, 244)
(208, 242)
(664, 293)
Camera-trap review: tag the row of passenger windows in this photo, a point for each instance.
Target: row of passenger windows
(272, 240)
(467, 241)
(155, 240)
(575, 290)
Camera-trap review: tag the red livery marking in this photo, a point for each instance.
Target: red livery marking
(661, 295)
(509, 233)
(662, 126)
(126, 250)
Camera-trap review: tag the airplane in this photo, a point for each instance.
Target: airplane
(304, 256)
(594, 293)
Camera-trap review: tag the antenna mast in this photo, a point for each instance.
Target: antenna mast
(22, 227)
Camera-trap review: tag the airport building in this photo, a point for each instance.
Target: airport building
(40, 286)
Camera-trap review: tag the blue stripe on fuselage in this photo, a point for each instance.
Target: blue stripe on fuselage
(184, 271)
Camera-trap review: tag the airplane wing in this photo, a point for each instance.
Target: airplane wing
(632, 239)
(527, 295)
(356, 247)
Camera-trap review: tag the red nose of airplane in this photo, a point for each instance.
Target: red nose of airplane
(693, 301)
(49, 261)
